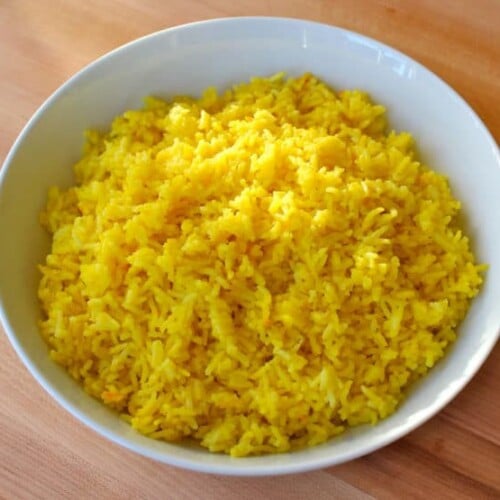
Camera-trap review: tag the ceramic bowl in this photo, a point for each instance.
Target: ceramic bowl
(186, 59)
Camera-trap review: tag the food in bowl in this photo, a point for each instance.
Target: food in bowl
(257, 270)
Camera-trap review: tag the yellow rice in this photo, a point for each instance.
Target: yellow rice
(257, 270)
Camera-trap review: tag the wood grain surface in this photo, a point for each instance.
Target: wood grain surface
(46, 454)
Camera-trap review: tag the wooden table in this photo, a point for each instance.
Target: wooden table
(45, 453)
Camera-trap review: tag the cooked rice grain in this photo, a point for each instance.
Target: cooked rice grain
(257, 270)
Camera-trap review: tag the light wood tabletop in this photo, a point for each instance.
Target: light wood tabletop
(45, 453)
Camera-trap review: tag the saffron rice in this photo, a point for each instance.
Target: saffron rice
(257, 270)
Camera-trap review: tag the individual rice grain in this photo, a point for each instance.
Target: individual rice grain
(257, 270)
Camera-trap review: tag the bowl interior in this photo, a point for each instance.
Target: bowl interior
(186, 60)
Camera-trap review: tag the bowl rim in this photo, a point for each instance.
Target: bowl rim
(254, 470)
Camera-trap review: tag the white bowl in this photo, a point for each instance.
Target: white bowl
(185, 60)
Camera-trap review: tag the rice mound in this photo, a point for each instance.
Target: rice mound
(256, 271)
